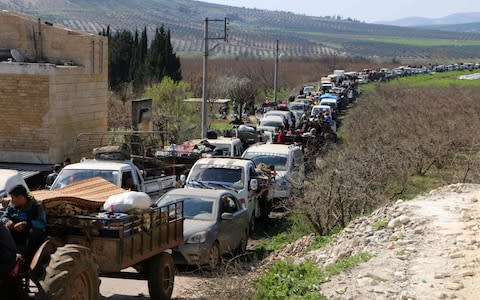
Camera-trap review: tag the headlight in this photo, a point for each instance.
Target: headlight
(197, 238)
(282, 185)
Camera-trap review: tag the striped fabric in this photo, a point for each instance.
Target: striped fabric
(88, 194)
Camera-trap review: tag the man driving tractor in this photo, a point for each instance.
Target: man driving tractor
(26, 220)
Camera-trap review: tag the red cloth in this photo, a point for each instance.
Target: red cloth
(280, 138)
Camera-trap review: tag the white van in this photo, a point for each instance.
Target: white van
(289, 166)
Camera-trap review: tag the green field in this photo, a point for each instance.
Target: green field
(424, 42)
(444, 79)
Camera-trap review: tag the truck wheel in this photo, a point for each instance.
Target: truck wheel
(161, 276)
(214, 257)
(71, 274)
(251, 224)
(242, 247)
(265, 209)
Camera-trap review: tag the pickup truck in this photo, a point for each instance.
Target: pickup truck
(8, 180)
(239, 175)
(124, 174)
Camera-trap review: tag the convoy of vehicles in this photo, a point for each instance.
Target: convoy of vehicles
(214, 214)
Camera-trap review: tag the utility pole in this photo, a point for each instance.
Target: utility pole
(275, 80)
(205, 71)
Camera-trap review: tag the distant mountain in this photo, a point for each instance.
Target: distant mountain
(459, 18)
(467, 27)
(252, 32)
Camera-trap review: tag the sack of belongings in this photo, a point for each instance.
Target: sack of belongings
(128, 201)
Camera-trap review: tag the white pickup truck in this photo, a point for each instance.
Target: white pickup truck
(121, 173)
(8, 180)
(239, 175)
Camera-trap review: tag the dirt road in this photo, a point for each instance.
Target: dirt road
(187, 286)
(432, 252)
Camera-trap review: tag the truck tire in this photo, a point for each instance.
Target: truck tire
(251, 224)
(265, 209)
(242, 246)
(72, 273)
(214, 257)
(161, 276)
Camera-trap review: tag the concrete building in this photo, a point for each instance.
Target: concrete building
(54, 90)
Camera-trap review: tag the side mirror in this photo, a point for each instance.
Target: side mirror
(254, 184)
(183, 179)
(227, 216)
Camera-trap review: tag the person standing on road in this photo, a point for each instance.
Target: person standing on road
(67, 161)
(280, 136)
(52, 176)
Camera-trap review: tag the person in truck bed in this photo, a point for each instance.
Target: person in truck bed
(26, 219)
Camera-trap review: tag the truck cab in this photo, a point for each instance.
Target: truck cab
(121, 173)
(234, 174)
(288, 161)
(8, 180)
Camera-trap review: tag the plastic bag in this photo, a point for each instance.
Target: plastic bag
(127, 201)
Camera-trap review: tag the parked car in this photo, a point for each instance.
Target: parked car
(215, 224)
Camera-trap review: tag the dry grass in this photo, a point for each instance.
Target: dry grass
(397, 142)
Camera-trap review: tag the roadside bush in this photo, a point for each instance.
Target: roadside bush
(287, 280)
(394, 135)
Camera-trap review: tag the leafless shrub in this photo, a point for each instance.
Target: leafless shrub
(394, 133)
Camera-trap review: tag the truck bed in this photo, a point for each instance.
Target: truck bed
(123, 244)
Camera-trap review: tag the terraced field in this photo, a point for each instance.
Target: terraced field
(253, 32)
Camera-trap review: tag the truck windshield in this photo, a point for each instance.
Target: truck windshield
(279, 161)
(300, 107)
(272, 123)
(67, 177)
(222, 149)
(318, 110)
(229, 175)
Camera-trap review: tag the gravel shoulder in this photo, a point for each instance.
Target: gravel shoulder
(428, 250)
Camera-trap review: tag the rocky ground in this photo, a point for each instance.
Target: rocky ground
(428, 249)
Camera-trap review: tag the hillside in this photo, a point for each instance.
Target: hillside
(252, 31)
(467, 27)
(459, 18)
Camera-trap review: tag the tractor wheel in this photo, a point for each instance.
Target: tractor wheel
(161, 276)
(71, 274)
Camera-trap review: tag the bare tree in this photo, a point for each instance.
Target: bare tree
(240, 90)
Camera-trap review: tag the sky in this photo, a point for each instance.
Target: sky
(364, 10)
